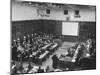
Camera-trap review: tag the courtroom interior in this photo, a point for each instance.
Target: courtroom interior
(52, 37)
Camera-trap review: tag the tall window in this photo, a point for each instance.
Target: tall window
(65, 12)
(76, 12)
(48, 11)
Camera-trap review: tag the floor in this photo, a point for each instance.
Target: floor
(60, 51)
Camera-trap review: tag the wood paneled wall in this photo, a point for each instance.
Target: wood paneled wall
(51, 26)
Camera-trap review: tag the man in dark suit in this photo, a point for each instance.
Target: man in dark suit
(55, 61)
(14, 53)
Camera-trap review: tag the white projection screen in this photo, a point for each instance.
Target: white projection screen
(70, 28)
